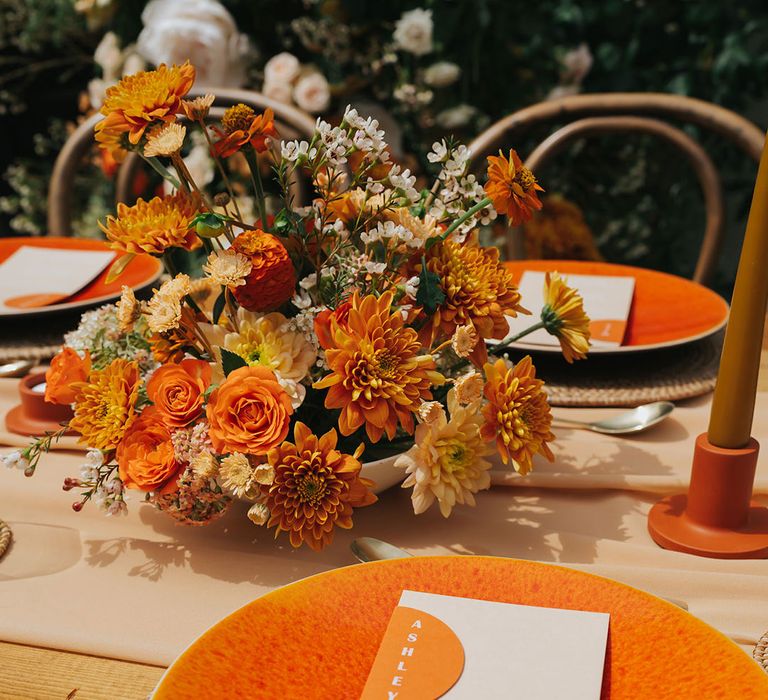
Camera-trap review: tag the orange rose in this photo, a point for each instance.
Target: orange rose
(249, 412)
(177, 391)
(323, 322)
(66, 369)
(145, 457)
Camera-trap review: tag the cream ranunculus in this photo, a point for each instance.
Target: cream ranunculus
(413, 32)
(312, 92)
(282, 68)
(442, 74)
(200, 31)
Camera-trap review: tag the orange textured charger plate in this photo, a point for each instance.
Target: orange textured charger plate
(666, 310)
(317, 638)
(141, 272)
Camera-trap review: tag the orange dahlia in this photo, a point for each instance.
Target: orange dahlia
(479, 292)
(315, 488)
(512, 187)
(517, 414)
(148, 97)
(377, 375)
(105, 404)
(154, 226)
(272, 278)
(242, 126)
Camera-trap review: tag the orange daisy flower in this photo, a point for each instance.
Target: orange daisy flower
(148, 97)
(517, 414)
(377, 375)
(479, 292)
(512, 187)
(241, 126)
(272, 278)
(154, 226)
(315, 488)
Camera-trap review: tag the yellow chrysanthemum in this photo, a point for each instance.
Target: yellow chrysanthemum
(104, 405)
(563, 316)
(377, 375)
(154, 226)
(517, 414)
(446, 462)
(137, 101)
(479, 292)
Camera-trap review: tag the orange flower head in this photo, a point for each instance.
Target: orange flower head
(378, 378)
(512, 187)
(563, 316)
(145, 456)
(517, 414)
(272, 278)
(479, 292)
(139, 100)
(66, 370)
(154, 226)
(322, 323)
(105, 404)
(243, 126)
(249, 412)
(177, 391)
(315, 488)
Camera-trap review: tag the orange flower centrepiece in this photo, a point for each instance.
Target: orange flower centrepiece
(145, 456)
(105, 404)
(249, 413)
(177, 391)
(272, 278)
(139, 100)
(517, 414)
(243, 126)
(154, 226)
(512, 187)
(377, 376)
(315, 488)
(66, 369)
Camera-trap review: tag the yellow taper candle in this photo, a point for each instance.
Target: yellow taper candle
(733, 405)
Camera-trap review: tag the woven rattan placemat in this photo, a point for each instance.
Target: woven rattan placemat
(760, 652)
(630, 379)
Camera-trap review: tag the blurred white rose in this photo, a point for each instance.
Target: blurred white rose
(442, 74)
(456, 117)
(198, 162)
(200, 31)
(413, 31)
(562, 91)
(109, 57)
(97, 89)
(133, 63)
(312, 92)
(576, 63)
(281, 68)
(278, 91)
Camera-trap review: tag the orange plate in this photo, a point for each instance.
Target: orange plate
(141, 272)
(666, 310)
(317, 638)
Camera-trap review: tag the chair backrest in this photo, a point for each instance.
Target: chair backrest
(600, 113)
(291, 123)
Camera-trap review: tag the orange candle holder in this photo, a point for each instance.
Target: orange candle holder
(717, 517)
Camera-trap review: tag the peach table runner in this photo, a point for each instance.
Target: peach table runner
(141, 588)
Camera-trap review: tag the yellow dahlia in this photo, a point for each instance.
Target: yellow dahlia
(105, 404)
(563, 316)
(517, 414)
(479, 293)
(315, 488)
(446, 461)
(139, 100)
(377, 375)
(512, 187)
(154, 226)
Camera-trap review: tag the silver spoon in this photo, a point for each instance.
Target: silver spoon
(633, 421)
(368, 549)
(16, 369)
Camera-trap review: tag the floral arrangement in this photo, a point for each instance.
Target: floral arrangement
(372, 317)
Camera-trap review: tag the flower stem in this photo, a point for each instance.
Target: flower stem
(162, 171)
(220, 166)
(482, 204)
(253, 164)
(494, 349)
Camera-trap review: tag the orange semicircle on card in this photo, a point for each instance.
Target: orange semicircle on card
(609, 330)
(419, 657)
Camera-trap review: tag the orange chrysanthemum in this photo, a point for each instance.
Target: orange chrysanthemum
(154, 226)
(377, 375)
(512, 187)
(243, 126)
(148, 97)
(563, 316)
(105, 404)
(272, 278)
(479, 292)
(315, 488)
(517, 414)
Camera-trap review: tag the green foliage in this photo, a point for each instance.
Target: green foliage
(231, 361)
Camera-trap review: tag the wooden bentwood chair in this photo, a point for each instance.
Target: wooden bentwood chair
(611, 112)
